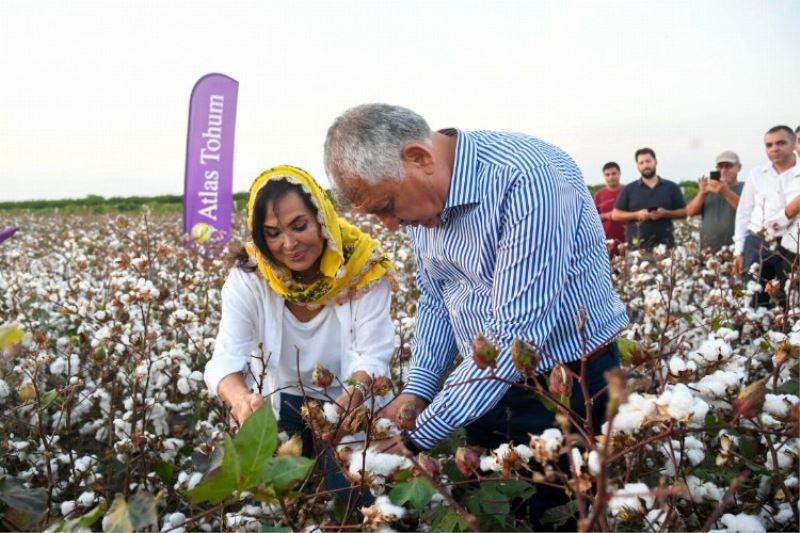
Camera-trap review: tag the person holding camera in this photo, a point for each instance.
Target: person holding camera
(648, 205)
(716, 201)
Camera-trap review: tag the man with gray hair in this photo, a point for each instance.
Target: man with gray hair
(508, 244)
(716, 200)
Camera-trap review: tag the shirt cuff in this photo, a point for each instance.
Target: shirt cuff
(422, 383)
(431, 429)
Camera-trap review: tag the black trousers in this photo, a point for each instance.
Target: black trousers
(771, 265)
(519, 413)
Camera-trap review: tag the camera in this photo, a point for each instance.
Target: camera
(714, 175)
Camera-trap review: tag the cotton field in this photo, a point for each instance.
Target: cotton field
(107, 322)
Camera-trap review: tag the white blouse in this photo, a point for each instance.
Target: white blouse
(251, 335)
(306, 344)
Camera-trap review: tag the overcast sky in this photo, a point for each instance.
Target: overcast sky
(94, 95)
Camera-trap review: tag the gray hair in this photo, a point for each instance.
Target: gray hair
(366, 142)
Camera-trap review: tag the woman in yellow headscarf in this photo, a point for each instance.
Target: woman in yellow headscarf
(312, 291)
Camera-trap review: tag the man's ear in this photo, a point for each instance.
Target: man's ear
(417, 155)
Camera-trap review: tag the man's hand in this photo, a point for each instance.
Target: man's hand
(403, 410)
(792, 208)
(738, 265)
(659, 213)
(392, 445)
(643, 214)
(717, 187)
(245, 405)
(702, 185)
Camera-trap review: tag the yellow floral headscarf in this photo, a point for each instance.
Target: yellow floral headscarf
(351, 262)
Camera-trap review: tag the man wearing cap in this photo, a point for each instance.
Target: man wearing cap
(717, 201)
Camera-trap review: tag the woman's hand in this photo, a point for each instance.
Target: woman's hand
(348, 400)
(241, 401)
(245, 405)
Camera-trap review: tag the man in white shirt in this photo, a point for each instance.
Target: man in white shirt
(788, 218)
(760, 205)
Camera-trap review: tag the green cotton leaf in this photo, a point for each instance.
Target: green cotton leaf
(558, 515)
(283, 473)
(276, 529)
(417, 491)
(550, 406)
(118, 519)
(516, 489)
(140, 512)
(85, 521)
(446, 519)
(789, 387)
(10, 334)
(88, 520)
(219, 484)
(31, 502)
(626, 349)
(48, 398)
(491, 500)
(231, 463)
(254, 443)
(748, 446)
(163, 470)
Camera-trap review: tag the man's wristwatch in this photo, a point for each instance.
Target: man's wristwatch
(408, 442)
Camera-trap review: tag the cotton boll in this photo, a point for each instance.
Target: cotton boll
(779, 404)
(594, 462)
(183, 386)
(489, 464)
(87, 498)
(5, 390)
(742, 523)
(330, 412)
(67, 507)
(634, 498)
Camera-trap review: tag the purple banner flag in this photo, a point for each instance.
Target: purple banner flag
(8, 232)
(208, 183)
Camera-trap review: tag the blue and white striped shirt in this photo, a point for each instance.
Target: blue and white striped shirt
(519, 252)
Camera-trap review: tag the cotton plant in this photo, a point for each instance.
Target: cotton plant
(103, 392)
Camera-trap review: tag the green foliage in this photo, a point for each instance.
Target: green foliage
(626, 349)
(418, 492)
(10, 334)
(29, 502)
(247, 462)
(559, 514)
(446, 519)
(491, 502)
(136, 514)
(82, 522)
(163, 470)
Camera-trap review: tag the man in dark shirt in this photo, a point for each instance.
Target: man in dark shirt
(648, 205)
(717, 200)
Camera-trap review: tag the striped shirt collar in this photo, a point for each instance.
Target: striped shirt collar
(464, 188)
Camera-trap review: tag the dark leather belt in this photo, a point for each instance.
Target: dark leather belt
(575, 366)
